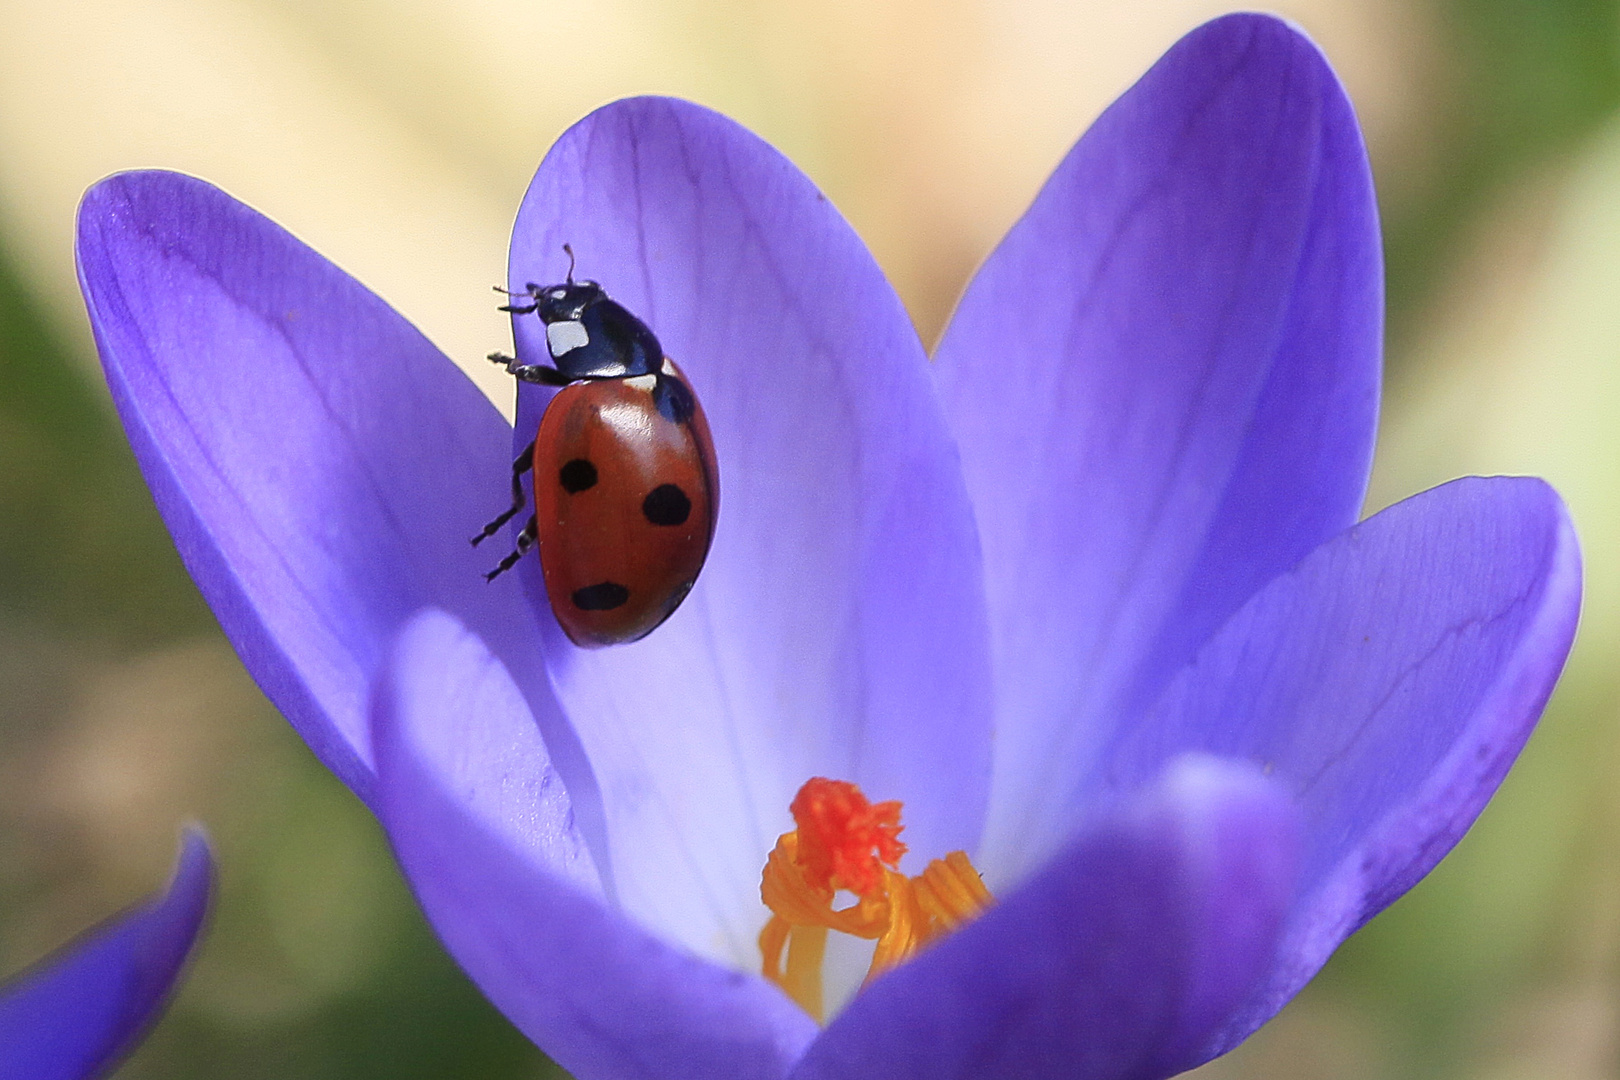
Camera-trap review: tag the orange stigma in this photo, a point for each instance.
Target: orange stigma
(842, 842)
(845, 841)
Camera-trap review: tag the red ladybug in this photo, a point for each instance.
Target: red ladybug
(625, 484)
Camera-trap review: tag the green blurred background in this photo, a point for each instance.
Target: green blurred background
(397, 138)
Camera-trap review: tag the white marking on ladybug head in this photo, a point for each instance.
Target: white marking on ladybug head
(563, 337)
(669, 367)
(644, 383)
(558, 294)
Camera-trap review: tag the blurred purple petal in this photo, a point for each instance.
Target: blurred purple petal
(320, 464)
(484, 831)
(80, 1011)
(1115, 962)
(838, 628)
(1164, 383)
(1388, 681)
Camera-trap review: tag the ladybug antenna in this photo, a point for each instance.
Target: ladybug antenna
(570, 251)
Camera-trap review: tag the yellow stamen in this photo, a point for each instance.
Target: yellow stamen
(807, 946)
(951, 891)
(845, 843)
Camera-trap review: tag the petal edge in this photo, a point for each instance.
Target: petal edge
(79, 1011)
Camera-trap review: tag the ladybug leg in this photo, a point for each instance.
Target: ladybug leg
(524, 462)
(525, 541)
(543, 374)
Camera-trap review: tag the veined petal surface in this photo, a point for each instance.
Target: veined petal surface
(319, 463)
(1115, 962)
(1387, 683)
(77, 1013)
(483, 828)
(838, 628)
(1164, 383)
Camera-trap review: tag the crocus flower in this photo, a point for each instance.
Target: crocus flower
(1085, 594)
(77, 1013)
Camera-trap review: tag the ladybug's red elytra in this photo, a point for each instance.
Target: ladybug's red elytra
(624, 479)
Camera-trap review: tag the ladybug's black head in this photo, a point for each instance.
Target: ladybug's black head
(590, 336)
(566, 302)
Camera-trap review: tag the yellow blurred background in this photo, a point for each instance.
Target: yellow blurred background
(397, 138)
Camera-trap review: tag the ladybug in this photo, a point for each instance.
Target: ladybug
(624, 478)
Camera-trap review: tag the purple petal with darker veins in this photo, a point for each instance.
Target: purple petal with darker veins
(1115, 962)
(1164, 383)
(838, 628)
(78, 1012)
(1388, 682)
(320, 464)
(484, 831)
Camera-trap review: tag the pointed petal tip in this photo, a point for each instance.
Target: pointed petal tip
(119, 194)
(81, 1010)
(195, 869)
(1260, 31)
(647, 105)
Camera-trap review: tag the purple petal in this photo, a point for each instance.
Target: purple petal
(1164, 383)
(320, 464)
(1117, 960)
(1388, 681)
(484, 831)
(838, 627)
(81, 1010)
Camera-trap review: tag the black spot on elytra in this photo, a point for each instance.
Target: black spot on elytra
(577, 476)
(603, 596)
(666, 504)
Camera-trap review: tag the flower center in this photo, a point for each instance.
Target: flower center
(843, 843)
